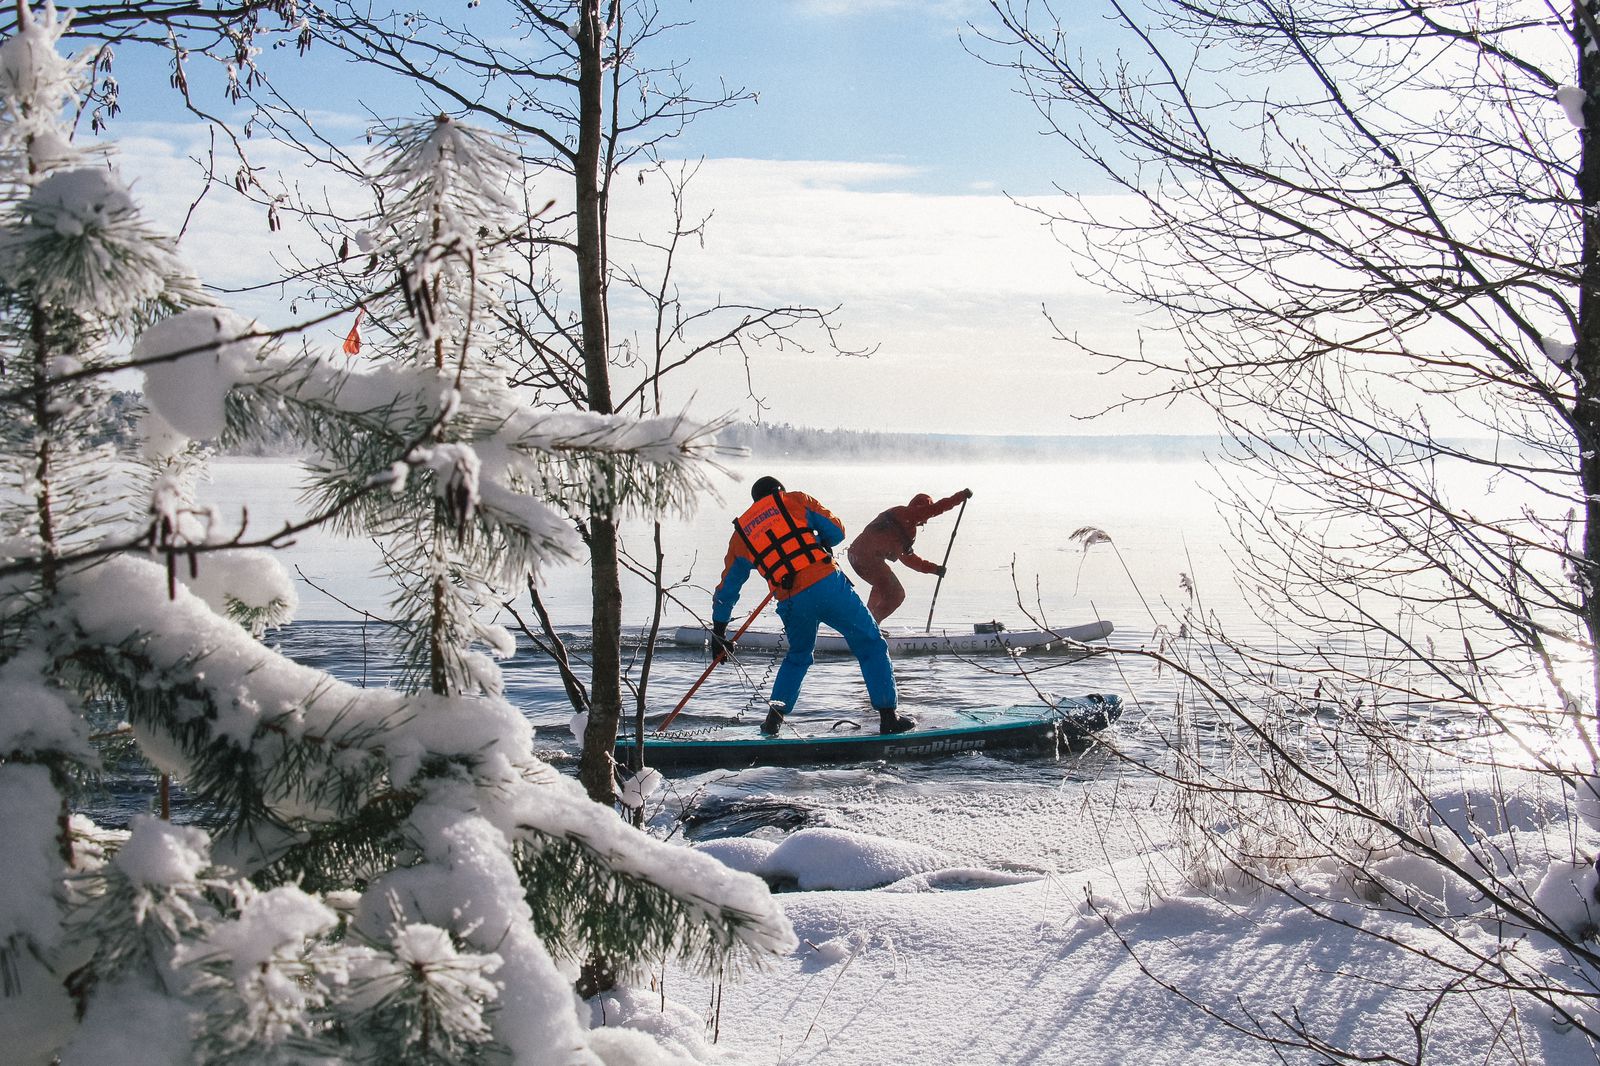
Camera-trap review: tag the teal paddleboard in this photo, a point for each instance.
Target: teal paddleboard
(1071, 721)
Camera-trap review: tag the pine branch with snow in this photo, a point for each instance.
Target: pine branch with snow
(422, 1001)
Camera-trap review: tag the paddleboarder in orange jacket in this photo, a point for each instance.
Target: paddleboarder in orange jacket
(888, 539)
(786, 537)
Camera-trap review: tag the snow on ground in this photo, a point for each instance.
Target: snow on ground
(1007, 823)
(1063, 828)
(1030, 973)
(918, 948)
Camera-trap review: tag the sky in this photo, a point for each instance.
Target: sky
(883, 81)
(884, 171)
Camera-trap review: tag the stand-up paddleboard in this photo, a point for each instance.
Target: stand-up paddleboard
(818, 740)
(980, 637)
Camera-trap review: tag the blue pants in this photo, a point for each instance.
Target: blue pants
(834, 601)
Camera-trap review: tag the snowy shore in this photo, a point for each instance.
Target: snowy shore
(910, 954)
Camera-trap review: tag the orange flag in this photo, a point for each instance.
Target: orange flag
(352, 340)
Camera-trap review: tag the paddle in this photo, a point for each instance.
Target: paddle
(714, 661)
(929, 627)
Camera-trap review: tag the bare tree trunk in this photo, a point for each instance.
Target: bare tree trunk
(605, 694)
(438, 674)
(595, 767)
(1586, 354)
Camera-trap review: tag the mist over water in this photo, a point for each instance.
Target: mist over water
(1011, 559)
(1013, 554)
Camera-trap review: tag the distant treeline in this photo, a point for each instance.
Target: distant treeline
(120, 424)
(799, 441)
(786, 440)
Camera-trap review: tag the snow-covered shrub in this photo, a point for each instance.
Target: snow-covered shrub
(1409, 834)
(1269, 825)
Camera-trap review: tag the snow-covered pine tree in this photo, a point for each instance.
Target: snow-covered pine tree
(368, 875)
(432, 263)
(437, 239)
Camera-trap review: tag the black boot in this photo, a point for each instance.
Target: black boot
(774, 720)
(892, 721)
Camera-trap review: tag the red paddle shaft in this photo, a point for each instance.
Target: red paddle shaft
(714, 662)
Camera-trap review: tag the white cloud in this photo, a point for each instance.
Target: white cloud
(224, 237)
(948, 289)
(951, 290)
(825, 233)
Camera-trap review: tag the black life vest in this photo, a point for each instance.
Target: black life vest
(781, 546)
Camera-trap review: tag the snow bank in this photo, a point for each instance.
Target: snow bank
(1033, 973)
(631, 1028)
(831, 859)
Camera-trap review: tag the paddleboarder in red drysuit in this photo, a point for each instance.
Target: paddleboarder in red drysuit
(887, 539)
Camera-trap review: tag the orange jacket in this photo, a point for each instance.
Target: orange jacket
(793, 533)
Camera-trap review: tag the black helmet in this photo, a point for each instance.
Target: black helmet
(765, 486)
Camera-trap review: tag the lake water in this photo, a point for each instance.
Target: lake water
(1012, 559)
(1012, 556)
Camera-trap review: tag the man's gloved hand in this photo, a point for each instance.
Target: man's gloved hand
(939, 572)
(721, 646)
(966, 494)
